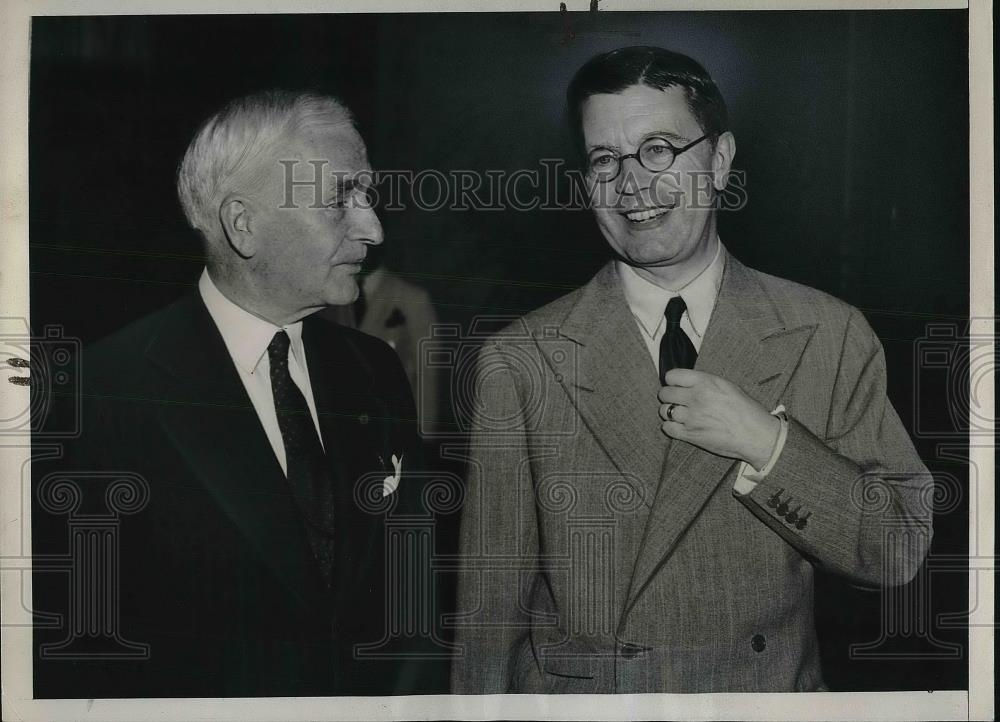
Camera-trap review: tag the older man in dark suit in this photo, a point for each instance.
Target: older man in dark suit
(273, 445)
(664, 456)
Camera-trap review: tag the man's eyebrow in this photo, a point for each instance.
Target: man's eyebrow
(668, 134)
(604, 146)
(342, 185)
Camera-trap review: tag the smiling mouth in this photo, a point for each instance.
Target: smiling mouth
(646, 214)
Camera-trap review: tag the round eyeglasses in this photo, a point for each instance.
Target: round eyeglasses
(655, 154)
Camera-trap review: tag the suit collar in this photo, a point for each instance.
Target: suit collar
(599, 296)
(190, 348)
(246, 336)
(188, 345)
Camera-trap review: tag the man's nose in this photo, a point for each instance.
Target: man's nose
(368, 228)
(629, 172)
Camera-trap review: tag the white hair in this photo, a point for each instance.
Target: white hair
(221, 156)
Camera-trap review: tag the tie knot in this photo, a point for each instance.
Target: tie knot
(278, 348)
(675, 309)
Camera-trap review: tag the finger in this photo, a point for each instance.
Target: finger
(673, 429)
(683, 377)
(675, 395)
(674, 412)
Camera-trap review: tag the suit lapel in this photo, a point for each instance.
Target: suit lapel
(355, 423)
(332, 390)
(212, 423)
(354, 419)
(747, 343)
(613, 382)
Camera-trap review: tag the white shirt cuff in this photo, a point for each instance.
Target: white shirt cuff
(748, 477)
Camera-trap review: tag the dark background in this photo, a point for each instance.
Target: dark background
(851, 127)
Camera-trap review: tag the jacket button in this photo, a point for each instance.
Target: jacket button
(630, 651)
(783, 507)
(773, 501)
(758, 643)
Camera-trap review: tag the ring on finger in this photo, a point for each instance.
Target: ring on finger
(670, 412)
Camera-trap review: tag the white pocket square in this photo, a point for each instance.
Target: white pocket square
(390, 483)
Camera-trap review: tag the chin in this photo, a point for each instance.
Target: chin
(344, 294)
(650, 254)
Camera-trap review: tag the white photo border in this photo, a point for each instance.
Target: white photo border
(15, 542)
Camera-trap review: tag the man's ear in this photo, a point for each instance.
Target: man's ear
(722, 159)
(235, 216)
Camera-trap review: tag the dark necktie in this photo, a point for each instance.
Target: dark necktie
(676, 349)
(305, 461)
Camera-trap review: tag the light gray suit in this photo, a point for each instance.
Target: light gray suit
(604, 557)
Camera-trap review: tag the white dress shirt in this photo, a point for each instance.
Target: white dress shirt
(648, 302)
(247, 338)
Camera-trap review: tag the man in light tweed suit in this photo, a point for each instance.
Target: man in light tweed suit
(663, 457)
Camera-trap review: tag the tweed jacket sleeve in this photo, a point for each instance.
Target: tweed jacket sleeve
(853, 497)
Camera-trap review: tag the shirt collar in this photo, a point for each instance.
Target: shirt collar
(246, 336)
(648, 301)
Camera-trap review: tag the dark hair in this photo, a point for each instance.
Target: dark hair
(617, 70)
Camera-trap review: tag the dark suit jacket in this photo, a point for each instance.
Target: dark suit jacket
(603, 557)
(216, 574)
